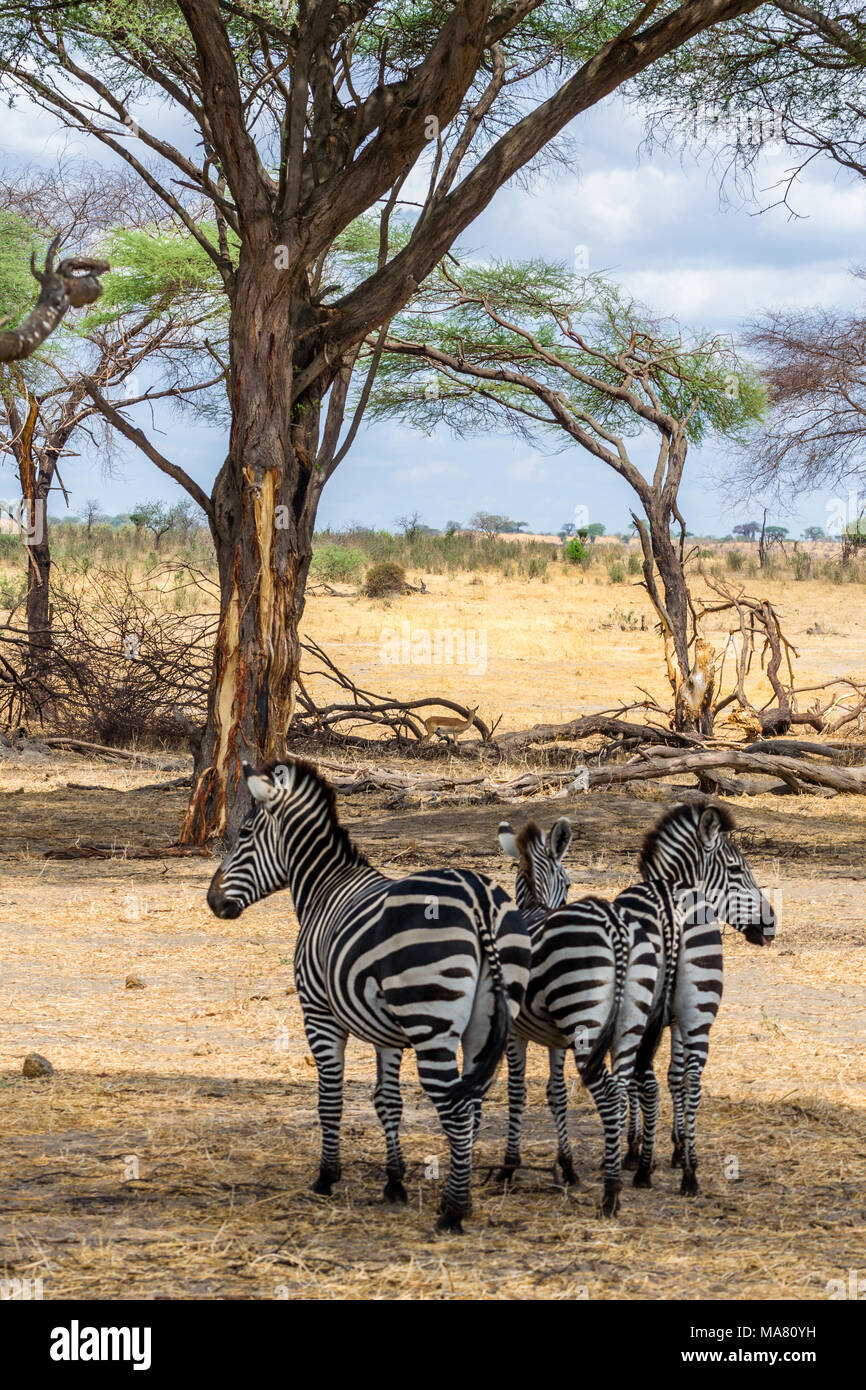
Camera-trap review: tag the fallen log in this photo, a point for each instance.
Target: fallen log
(590, 724)
(796, 772)
(79, 746)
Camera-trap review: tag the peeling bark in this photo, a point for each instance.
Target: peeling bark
(264, 506)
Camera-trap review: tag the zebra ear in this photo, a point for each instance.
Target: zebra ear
(261, 787)
(560, 838)
(508, 840)
(710, 827)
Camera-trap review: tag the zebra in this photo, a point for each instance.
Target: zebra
(693, 876)
(430, 961)
(591, 989)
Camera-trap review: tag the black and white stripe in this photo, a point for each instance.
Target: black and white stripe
(694, 875)
(591, 989)
(432, 962)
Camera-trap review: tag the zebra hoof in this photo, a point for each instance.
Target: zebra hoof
(642, 1178)
(677, 1157)
(566, 1168)
(451, 1220)
(632, 1158)
(689, 1185)
(395, 1193)
(610, 1200)
(322, 1186)
(506, 1173)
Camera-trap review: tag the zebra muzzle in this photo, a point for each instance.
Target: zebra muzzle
(219, 904)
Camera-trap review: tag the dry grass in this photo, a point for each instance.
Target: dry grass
(203, 1076)
(555, 650)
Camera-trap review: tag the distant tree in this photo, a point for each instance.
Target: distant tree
(594, 530)
(155, 517)
(748, 530)
(814, 533)
(91, 513)
(814, 363)
(491, 525)
(409, 525)
(776, 534)
(452, 527)
(534, 348)
(568, 529)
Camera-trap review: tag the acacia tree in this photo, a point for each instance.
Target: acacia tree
(532, 348)
(814, 363)
(298, 118)
(790, 72)
(58, 397)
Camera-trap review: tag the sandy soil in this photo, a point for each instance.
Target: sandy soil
(170, 1154)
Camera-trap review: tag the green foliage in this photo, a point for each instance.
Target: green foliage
(157, 269)
(616, 572)
(574, 551)
(335, 564)
(587, 339)
(11, 592)
(18, 289)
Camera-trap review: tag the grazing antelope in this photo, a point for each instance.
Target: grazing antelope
(448, 725)
(430, 962)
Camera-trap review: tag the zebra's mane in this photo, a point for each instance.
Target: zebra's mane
(311, 779)
(527, 835)
(690, 810)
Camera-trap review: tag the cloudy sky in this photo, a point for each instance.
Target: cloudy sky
(656, 224)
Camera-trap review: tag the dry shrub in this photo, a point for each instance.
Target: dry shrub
(123, 654)
(384, 579)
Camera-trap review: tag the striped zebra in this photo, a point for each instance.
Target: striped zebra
(433, 962)
(694, 876)
(591, 989)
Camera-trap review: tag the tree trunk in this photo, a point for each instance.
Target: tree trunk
(35, 485)
(265, 504)
(39, 640)
(691, 660)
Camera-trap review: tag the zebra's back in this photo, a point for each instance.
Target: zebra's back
(396, 955)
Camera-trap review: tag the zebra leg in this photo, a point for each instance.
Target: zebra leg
(516, 1053)
(440, 1077)
(609, 1098)
(632, 1158)
(675, 1086)
(648, 1091)
(389, 1107)
(557, 1099)
(691, 1099)
(328, 1045)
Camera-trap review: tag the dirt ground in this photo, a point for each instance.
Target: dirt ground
(170, 1154)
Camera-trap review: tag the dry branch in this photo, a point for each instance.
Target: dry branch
(74, 283)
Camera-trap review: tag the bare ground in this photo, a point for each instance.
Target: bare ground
(170, 1154)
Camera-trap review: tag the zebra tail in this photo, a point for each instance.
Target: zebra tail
(473, 1084)
(652, 1035)
(594, 1063)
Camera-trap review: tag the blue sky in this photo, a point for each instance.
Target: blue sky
(656, 224)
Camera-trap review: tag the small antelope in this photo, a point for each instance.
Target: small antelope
(448, 725)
